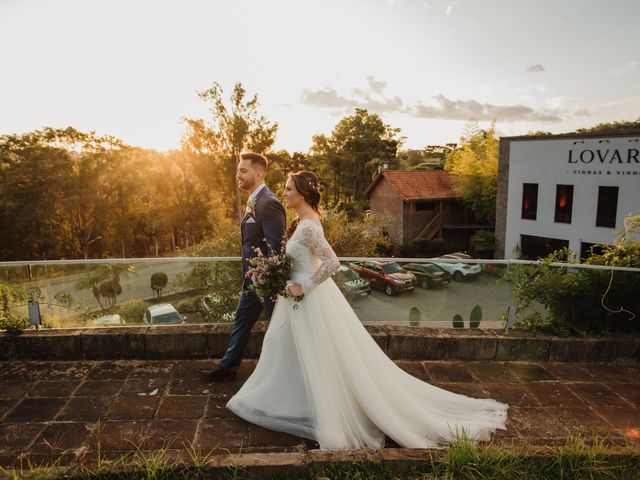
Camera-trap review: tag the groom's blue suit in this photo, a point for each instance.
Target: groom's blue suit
(263, 228)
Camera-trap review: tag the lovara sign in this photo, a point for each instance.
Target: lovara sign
(603, 156)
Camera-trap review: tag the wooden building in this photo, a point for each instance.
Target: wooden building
(424, 204)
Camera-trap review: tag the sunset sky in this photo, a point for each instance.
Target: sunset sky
(132, 68)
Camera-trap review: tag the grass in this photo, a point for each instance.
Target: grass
(579, 459)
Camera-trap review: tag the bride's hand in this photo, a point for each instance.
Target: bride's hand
(295, 290)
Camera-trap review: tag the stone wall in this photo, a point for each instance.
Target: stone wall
(400, 343)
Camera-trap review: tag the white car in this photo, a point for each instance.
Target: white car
(108, 320)
(162, 314)
(459, 271)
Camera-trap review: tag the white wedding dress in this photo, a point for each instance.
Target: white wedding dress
(322, 376)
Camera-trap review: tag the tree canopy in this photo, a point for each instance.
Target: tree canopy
(475, 164)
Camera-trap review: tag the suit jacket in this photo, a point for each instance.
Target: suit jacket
(263, 228)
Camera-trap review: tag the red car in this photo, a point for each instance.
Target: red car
(386, 275)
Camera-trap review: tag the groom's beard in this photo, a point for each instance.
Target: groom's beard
(247, 185)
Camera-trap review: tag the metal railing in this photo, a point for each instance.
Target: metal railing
(119, 292)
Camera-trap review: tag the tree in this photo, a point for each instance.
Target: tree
(613, 127)
(475, 165)
(231, 131)
(349, 158)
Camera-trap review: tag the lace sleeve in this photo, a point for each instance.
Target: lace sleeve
(314, 240)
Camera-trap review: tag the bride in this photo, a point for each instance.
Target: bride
(322, 376)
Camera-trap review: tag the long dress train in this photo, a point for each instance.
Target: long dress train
(322, 376)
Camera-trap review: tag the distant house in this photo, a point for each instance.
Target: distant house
(423, 202)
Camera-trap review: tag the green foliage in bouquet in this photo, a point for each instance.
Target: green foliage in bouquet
(269, 274)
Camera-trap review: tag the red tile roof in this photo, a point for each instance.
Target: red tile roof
(414, 185)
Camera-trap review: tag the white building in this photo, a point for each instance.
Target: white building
(565, 190)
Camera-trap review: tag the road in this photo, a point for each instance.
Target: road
(439, 305)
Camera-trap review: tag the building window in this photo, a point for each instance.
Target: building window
(588, 249)
(533, 248)
(607, 207)
(529, 201)
(564, 203)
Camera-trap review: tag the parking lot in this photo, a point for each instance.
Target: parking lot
(438, 306)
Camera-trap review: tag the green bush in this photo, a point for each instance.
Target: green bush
(132, 310)
(576, 301)
(423, 248)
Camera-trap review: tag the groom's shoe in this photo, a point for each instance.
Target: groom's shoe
(218, 374)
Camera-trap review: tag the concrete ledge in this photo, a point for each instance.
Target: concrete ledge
(400, 343)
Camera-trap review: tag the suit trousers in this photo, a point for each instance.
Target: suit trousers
(247, 313)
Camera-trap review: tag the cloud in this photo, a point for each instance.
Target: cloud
(633, 63)
(373, 98)
(537, 68)
(448, 109)
(449, 8)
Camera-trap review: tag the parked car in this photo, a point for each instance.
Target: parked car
(459, 271)
(429, 275)
(350, 283)
(108, 320)
(386, 275)
(162, 314)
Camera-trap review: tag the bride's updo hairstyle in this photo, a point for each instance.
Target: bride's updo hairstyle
(308, 186)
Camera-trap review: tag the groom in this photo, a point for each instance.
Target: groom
(263, 227)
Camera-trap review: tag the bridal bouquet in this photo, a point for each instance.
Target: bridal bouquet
(270, 274)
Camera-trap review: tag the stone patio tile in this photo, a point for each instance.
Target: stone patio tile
(246, 368)
(261, 437)
(6, 404)
(629, 391)
(110, 370)
(99, 387)
(415, 369)
(553, 393)
(597, 394)
(69, 370)
(569, 372)
(171, 433)
(121, 435)
(182, 406)
(449, 372)
(152, 369)
(491, 372)
(15, 388)
(24, 371)
(223, 388)
(463, 388)
(188, 386)
(584, 421)
(530, 372)
(34, 409)
(223, 433)
(189, 368)
(535, 422)
(54, 388)
(609, 372)
(18, 436)
(632, 373)
(216, 407)
(62, 436)
(622, 419)
(87, 409)
(144, 386)
(515, 395)
(129, 407)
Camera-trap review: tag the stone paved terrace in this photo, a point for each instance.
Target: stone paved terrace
(64, 409)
